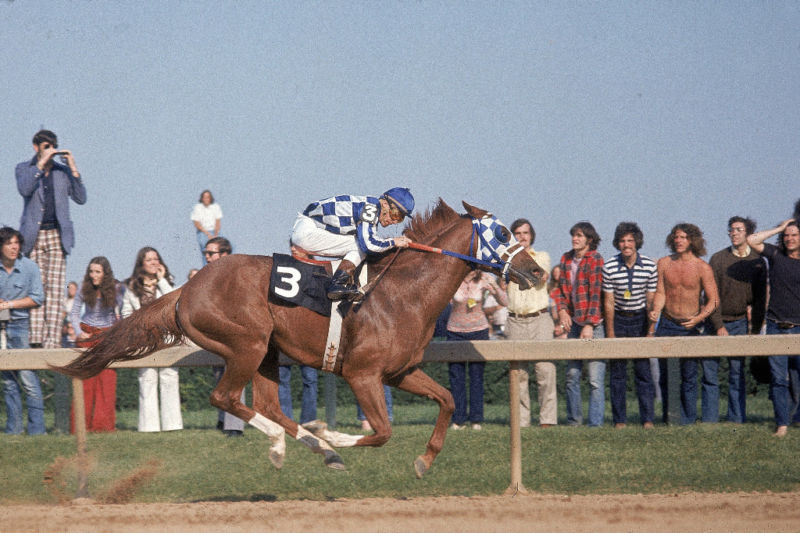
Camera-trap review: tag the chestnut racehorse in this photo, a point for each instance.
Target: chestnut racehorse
(226, 309)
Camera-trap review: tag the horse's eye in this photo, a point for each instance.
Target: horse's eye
(502, 234)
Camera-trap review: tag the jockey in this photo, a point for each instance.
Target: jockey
(345, 226)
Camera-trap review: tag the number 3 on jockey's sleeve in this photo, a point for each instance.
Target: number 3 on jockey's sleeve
(369, 214)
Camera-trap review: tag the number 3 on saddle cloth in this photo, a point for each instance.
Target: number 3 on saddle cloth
(299, 283)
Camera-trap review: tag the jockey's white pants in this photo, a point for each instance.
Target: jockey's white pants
(318, 241)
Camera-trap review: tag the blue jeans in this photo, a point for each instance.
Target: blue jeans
(17, 336)
(737, 391)
(668, 328)
(780, 366)
(387, 396)
(458, 378)
(308, 411)
(597, 377)
(635, 326)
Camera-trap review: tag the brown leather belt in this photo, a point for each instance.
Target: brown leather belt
(527, 315)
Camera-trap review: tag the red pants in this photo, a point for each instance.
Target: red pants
(99, 396)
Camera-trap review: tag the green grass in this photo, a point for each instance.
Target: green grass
(201, 464)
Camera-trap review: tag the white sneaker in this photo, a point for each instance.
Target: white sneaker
(476, 427)
(456, 427)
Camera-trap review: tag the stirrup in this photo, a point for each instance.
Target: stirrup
(343, 292)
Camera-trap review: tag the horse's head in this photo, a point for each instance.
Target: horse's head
(496, 244)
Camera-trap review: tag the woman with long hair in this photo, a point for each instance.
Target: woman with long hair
(100, 297)
(150, 280)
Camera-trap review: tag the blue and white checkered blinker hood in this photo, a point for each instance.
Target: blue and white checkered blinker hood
(495, 241)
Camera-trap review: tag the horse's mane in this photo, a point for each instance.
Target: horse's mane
(423, 227)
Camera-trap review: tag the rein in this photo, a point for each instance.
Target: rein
(503, 265)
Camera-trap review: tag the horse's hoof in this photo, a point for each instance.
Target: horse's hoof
(276, 459)
(420, 467)
(335, 462)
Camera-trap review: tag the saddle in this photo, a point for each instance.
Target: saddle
(303, 281)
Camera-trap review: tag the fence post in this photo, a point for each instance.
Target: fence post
(80, 439)
(516, 439)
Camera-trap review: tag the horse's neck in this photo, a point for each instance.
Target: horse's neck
(441, 282)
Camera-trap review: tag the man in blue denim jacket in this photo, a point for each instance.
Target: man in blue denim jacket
(20, 290)
(46, 185)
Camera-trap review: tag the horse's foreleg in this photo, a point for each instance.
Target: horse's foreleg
(369, 394)
(335, 438)
(267, 405)
(419, 383)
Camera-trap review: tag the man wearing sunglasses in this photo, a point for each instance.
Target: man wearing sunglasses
(46, 185)
(345, 226)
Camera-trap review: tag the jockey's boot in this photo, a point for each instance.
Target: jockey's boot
(342, 284)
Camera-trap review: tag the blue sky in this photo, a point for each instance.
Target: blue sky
(657, 112)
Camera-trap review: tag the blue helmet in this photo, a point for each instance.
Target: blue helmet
(401, 198)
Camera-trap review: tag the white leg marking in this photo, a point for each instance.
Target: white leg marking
(277, 436)
(272, 429)
(318, 445)
(336, 439)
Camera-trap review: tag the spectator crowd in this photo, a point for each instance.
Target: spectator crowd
(747, 288)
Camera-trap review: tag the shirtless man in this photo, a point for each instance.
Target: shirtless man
(683, 279)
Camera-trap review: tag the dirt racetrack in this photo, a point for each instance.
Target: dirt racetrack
(680, 512)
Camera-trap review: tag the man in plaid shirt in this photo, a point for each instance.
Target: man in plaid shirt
(345, 226)
(578, 300)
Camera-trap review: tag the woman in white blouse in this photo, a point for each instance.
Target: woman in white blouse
(150, 280)
(206, 216)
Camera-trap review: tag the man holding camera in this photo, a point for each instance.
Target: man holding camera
(46, 185)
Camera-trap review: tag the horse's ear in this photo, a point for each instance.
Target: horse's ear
(474, 212)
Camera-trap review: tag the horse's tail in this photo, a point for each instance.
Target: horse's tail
(147, 330)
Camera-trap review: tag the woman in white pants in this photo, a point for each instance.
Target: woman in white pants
(150, 280)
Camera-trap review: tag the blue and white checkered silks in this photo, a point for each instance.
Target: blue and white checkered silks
(351, 215)
(495, 241)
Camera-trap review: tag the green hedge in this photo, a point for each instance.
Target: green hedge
(196, 385)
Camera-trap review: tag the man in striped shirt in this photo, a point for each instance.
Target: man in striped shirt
(345, 226)
(629, 286)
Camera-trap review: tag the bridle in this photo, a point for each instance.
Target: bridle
(494, 248)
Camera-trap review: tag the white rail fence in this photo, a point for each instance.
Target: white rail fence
(515, 352)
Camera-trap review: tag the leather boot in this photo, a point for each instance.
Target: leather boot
(342, 284)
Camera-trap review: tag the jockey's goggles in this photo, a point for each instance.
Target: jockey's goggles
(395, 214)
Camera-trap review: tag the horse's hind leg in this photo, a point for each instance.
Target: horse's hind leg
(419, 383)
(266, 403)
(227, 396)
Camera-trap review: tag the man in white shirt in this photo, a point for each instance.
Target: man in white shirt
(529, 319)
